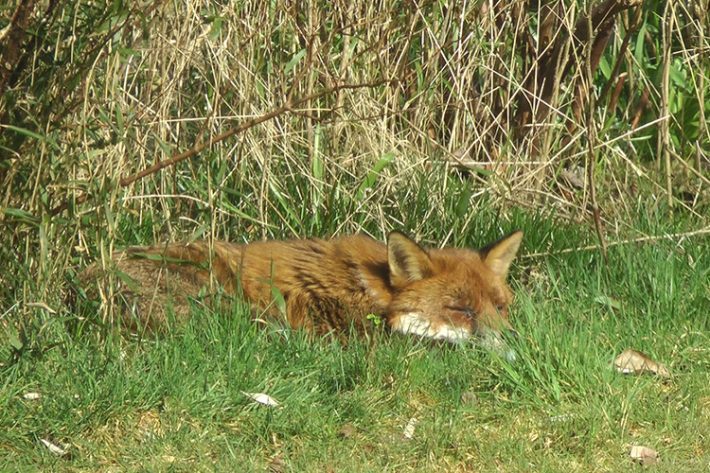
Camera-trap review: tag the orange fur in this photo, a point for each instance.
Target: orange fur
(325, 285)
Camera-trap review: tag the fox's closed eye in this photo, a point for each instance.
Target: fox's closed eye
(464, 310)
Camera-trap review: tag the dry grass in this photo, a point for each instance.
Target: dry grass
(107, 92)
(427, 137)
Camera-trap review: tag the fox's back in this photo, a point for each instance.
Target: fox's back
(326, 283)
(352, 270)
(321, 285)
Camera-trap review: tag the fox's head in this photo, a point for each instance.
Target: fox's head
(450, 294)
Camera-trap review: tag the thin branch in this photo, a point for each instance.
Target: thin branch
(11, 40)
(633, 28)
(195, 150)
(551, 65)
(643, 239)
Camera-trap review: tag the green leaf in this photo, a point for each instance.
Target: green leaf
(317, 164)
(677, 74)
(119, 121)
(639, 49)
(608, 302)
(216, 28)
(166, 259)
(21, 215)
(14, 339)
(317, 169)
(463, 202)
(128, 52)
(130, 283)
(294, 60)
(199, 232)
(279, 300)
(605, 67)
(239, 213)
(375, 319)
(374, 174)
(25, 132)
(283, 200)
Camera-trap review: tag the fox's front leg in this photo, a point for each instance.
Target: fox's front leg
(297, 313)
(320, 316)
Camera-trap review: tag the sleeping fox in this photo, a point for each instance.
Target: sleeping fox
(322, 286)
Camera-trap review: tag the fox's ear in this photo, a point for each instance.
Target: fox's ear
(407, 261)
(498, 256)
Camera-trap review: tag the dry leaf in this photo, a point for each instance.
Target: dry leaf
(262, 398)
(347, 431)
(644, 455)
(469, 397)
(42, 305)
(635, 362)
(277, 464)
(409, 428)
(31, 396)
(149, 424)
(575, 176)
(54, 448)
(562, 418)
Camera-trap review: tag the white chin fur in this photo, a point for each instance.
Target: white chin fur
(414, 323)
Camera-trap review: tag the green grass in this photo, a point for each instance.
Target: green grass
(437, 153)
(176, 403)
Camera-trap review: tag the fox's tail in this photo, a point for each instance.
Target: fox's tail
(147, 287)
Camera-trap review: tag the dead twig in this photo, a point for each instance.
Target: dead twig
(11, 39)
(584, 94)
(635, 23)
(195, 150)
(640, 108)
(553, 62)
(643, 239)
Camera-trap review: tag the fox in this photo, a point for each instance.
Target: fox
(322, 285)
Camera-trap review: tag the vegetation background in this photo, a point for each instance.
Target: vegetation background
(582, 122)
